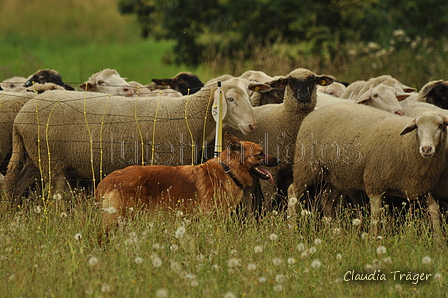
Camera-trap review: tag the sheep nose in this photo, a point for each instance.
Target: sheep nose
(252, 127)
(427, 150)
(399, 112)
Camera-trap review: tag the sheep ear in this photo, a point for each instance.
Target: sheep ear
(324, 80)
(428, 87)
(409, 127)
(279, 83)
(260, 88)
(86, 86)
(164, 82)
(232, 143)
(364, 97)
(408, 89)
(402, 96)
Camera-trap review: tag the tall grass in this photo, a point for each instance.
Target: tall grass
(51, 252)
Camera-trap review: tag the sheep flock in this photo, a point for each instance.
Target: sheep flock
(360, 145)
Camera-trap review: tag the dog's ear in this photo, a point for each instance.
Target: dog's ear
(232, 143)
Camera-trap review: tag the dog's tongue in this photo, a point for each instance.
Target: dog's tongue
(267, 173)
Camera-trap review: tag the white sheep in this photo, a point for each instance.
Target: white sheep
(141, 90)
(13, 84)
(278, 124)
(108, 81)
(336, 89)
(10, 105)
(79, 135)
(361, 148)
(382, 97)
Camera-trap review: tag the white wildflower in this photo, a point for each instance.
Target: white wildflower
(174, 247)
(233, 252)
(194, 283)
(162, 293)
(336, 231)
(258, 249)
(156, 261)
(251, 267)
(387, 260)
(110, 210)
(273, 237)
(233, 263)
(300, 247)
(305, 212)
(291, 261)
(78, 236)
(312, 250)
(277, 261)
(180, 232)
(356, 222)
(156, 246)
(175, 266)
(278, 288)
(398, 287)
(105, 288)
(315, 264)
(380, 250)
(426, 260)
(317, 241)
(279, 278)
(437, 276)
(338, 257)
(93, 261)
(262, 279)
(37, 209)
(229, 295)
(138, 260)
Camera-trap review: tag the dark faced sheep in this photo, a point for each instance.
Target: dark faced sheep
(184, 82)
(47, 76)
(436, 93)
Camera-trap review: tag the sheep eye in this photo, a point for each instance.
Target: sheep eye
(441, 126)
(375, 95)
(100, 82)
(230, 99)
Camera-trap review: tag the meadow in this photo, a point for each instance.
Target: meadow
(49, 250)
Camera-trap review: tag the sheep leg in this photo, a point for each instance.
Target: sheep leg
(434, 213)
(16, 184)
(375, 212)
(330, 201)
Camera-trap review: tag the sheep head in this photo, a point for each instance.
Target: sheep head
(436, 93)
(302, 85)
(431, 132)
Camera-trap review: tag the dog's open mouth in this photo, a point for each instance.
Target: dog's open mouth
(262, 173)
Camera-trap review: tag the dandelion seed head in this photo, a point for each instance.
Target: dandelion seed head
(93, 261)
(37, 209)
(305, 213)
(110, 210)
(336, 231)
(229, 295)
(194, 283)
(437, 276)
(398, 287)
(63, 215)
(300, 247)
(338, 257)
(317, 241)
(78, 236)
(233, 252)
(57, 197)
(156, 261)
(291, 261)
(138, 260)
(279, 278)
(105, 288)
(262, 279)
(387, 260)
(251, 267)
(356, 222)
(233, 263)
(162, 293)
(156, 246)
(398, 33)
(174, 247)
(277, 288)
(292, 202)
(315, 264)
(180, 232)
(258, 249)
(175, 266)
(277, 261)
(312, 250)
(426, 260)
(273, 237)
(380, 250)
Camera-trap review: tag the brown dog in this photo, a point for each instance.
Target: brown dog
(210, 186)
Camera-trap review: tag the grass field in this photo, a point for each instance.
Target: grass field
(48, 252)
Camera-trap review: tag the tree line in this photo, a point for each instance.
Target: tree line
(199, 27)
